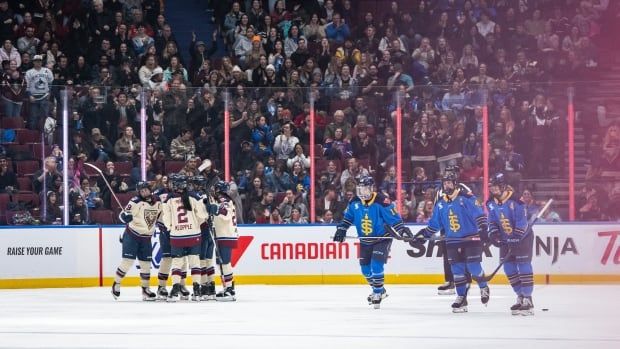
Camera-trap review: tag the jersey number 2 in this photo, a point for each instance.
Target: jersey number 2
(181, 215)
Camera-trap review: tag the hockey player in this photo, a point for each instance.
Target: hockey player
(207, 271)
(181, 216)
(461, 217)
(448, 287)
(508, 230)
(140, 217)
(164, 245)
(226, 236)
(370, 211)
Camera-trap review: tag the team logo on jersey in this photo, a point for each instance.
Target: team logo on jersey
(366, 225)
(150, 216)
(454, 221)
(505, 222)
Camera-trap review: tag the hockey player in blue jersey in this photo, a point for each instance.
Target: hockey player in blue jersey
(369, 212)
(508, 230)
(464, 223)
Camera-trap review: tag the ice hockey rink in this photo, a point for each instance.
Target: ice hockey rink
(309, 317)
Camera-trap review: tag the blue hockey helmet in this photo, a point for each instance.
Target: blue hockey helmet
(178, 181)
(497, 184)
(222, 187)
(365, 187)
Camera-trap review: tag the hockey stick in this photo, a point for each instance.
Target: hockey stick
(489, 277)
(216, 250)
(106, 182)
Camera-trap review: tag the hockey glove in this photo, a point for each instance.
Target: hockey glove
(213, 209)
(406, 234)
(495, 239)
(421, 236)
(125, 217)
(340, 235)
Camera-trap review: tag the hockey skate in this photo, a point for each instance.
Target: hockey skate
(207, 291)
(514, 309)
(184, 293)
(446, 289)
(162, 293)
(460, 304)
(226, 295)
(527, 307)
(485, 293)
(148, 295)
(376, 300)
(196, 293)
(116, 290)
(174, 293)
(383, 296)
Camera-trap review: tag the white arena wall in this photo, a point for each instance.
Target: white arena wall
(34, 257)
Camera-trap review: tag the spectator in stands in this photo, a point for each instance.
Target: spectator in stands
(364, 146)
(262, 209)
(470, 172)
(91, 197)
(13, 87)
(300, 179)
(530, 205)
(8, 180)
(47, 176)
(115, 182)
(330, 202)
(8, 52)
(422, 146)
(298, 156)
(425, 214)
(279, 180)
(454, 99)
(399, 78)
(591, 210)
(127, 148)
(136, 174)
(53, 213)
(284, 144)
(330, 178)
(155, 137)
(337, 31)
(79, 214)
(183, 147)
(339, 122)
(262, 137)
(290, 202)
(388, 185)
(275, 217)
(338, 147)
(38, 80)
(296, 217)
(349, 177)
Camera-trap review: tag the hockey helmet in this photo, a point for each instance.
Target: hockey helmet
(198, 182)
(452, 177)
(498, 179)
(222, 187)
(179, 182)
(365, 187)
(143, 185)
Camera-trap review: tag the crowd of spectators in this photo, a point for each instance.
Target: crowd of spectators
(442, 59)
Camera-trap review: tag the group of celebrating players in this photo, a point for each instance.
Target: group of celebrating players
(197, 222)
(196, 219)
(459, 222)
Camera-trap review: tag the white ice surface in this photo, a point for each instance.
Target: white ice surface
(316, 317)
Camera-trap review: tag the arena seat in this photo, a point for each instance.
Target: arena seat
(102, 216)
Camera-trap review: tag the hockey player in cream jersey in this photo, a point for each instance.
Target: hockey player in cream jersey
(140, 216)
(182, 215)
(226, 236)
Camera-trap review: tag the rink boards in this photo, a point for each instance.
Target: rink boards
(296, 254)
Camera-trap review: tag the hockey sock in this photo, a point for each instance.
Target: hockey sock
(526, 275)
(184, 271)
(194, 264)
(367, 272)
(510, 268)
(145, 273)
(203, 271)
(228, 274)
(210, 270)
(177, 264)
(121, 271)
(377, 275)
(460, 280)
(164, 270)
(475, 269)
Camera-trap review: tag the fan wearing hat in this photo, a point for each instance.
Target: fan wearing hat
(38, 80)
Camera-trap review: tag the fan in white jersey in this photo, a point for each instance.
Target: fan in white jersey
(226, 236)
(140, 217)
(182, 215)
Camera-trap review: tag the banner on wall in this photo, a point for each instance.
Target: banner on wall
(308, 250)
(291, 254)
